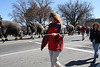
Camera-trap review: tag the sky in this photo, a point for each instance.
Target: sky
(6, 7)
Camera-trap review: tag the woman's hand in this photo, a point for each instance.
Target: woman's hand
(54, 34)
(42, 48)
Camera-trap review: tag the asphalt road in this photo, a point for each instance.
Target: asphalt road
(27, 53)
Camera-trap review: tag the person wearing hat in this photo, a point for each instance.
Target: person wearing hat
(54, 38)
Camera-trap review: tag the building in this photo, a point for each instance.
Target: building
(89, 22)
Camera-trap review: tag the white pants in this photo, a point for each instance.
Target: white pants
(54, 58)
(82, 35)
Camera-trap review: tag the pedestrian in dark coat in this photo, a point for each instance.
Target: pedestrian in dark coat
(95, 39)
(54, 39)
(87, 30)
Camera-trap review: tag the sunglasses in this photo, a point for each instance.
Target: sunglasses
(50, 16)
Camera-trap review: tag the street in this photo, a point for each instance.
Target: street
(27, 53)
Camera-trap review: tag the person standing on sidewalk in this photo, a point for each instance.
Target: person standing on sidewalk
(83, 29)
(54, 39)
(95, 39)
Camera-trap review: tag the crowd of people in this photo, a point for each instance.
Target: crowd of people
(94, 37)
(54, 38)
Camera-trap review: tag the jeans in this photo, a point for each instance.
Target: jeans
(96, 48)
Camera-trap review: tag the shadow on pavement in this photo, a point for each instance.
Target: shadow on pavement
(84, 47)
(18, 39)
(80, 62)
(93, 64)
(75, 40)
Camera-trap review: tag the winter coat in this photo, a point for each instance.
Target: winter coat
(83, 29)
(95, 35)
(54, 43)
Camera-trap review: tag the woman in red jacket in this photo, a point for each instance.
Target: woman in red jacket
(83, 29)
(54, 39)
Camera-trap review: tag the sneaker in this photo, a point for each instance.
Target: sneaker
(82, 39)
(93, 61)
(97, 56)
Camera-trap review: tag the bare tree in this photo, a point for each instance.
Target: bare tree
(18, 12)
(30, 10)
(1, 17)
(75, 12)
(44, 10)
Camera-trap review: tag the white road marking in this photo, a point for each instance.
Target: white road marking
(73, 48)
(19, 41)
(77, 45)
(37, 43)
(13, 42)
(30, 41)
(39, 49)
(79, 50)
(19, 52)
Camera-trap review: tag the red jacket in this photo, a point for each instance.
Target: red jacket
(83, 29)
(54, 43)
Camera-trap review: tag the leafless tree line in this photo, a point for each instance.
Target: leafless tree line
(30, 10)
(73, 12)
(76, 12)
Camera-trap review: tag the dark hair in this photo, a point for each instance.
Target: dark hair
(95, 24)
